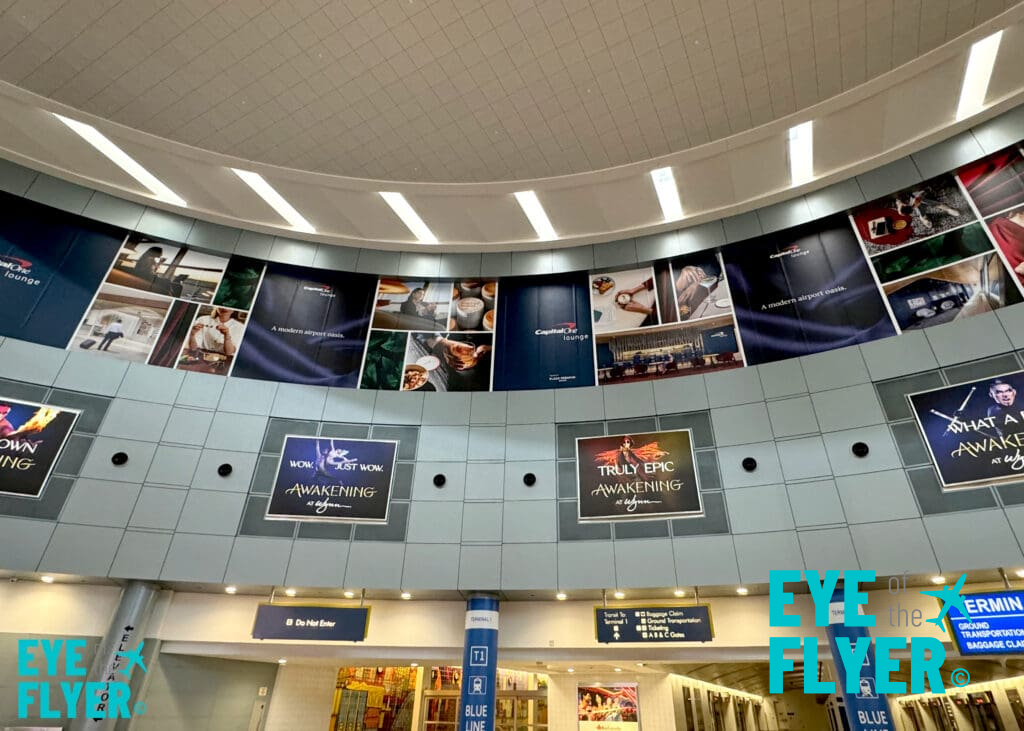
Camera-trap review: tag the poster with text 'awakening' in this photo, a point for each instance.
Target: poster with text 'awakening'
(307, 326)
(974, 431)
(637, 476)
(341, 480)
(32, 437)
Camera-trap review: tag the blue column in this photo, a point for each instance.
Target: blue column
(479, 664)
(866, 710)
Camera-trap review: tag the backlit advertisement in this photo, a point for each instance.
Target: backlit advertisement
(974, 431)
(32, 437)
(637, 477)
(608, 707)
(994, 625)
(341, 480)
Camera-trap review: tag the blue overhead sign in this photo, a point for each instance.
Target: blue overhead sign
(304, 622)
(689, 623)
(995, 627)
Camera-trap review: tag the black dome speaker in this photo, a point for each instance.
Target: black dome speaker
(225, 469)
(749, 464)
(860, 449)
(439, 480)
(119, 459)
(529, 479)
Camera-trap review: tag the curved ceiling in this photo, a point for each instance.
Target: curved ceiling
(449, 91)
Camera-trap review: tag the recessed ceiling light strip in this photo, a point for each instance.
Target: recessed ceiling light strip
(409, 217)
(534, 211)
(668, 194)
(122, 159)
(274, 199)
(801, 153)
(978, 73)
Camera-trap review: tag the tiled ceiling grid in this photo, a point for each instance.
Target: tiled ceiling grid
(440, 90)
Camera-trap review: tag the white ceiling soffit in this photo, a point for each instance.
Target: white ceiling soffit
(893, 115)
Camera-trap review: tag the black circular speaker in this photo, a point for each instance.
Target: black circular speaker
(225, 469)
(749, 464)
(860, 449)
(529, 479)
(119, 458)
(439, 480)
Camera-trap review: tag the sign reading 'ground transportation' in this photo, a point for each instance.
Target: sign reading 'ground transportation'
(974, 431)
(339, 480)
(689, 623)
(637, 477)
(305, 622)
(995, 625)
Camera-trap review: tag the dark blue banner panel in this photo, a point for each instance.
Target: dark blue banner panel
(308, 326)
(544, 337)
(303, 622)
(685, 623)
(51, 264)
(867, 709)
(804, 290)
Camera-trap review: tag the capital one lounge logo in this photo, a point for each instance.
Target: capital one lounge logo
(42, 695)
(20, 270)
(567, 330)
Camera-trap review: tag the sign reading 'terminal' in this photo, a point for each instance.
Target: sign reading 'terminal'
(995, 626)
(305, 622)
(689, 623)
(637, 477)
(974, 431)
(340, 480)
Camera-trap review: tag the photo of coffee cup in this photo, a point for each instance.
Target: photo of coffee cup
(414, 378)
(469, 312)
(488, 292)
(469, 289)
(489, 320)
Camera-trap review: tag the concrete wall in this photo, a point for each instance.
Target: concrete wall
(303, 697)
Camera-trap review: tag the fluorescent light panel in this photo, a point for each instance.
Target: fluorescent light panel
(409, 217)
(668, 193)
(534, 211)
(122, 159)
(977, 75)
(801, 153)
(274, 199)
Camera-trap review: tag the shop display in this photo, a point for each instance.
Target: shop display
(609, 707)
(941, 250)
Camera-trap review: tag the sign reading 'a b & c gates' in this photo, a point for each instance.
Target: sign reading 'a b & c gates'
(637, 477)
(974, 431)
(32, 437)
(685, 623)
(341, 480)
(304, 622)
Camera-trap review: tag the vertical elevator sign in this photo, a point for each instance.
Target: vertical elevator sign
(479, 665)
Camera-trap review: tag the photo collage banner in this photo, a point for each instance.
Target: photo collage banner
(944, 249)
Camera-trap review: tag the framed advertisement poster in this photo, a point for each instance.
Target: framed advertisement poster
(608, 707)
(974, 431)
(339, 480)
(32, 437)
(648, 476)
